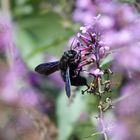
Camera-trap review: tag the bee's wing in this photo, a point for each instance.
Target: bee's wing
(67, 82)
(47, 68)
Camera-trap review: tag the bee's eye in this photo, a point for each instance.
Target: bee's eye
(71, 55)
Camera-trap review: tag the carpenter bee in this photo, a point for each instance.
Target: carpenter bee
(68, 65)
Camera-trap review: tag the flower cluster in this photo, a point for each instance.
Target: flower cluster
(93, 50)
(91, 44)
(119, 24)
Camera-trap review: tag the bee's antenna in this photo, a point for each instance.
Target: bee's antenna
(71, 47)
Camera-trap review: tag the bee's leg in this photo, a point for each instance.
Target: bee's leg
(88, 87)
(78, 71)
(72, 47)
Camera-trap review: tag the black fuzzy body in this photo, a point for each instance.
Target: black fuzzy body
(71, 59)
(68, 66)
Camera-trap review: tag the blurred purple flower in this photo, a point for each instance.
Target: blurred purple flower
(28, 98)
(6, 34)
(16, 88)
(55, 78)
(127, 111)
(128, 59)
(130, 104)
(119, 23)
(119, 131)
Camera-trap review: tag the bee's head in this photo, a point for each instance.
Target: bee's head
(72, 53)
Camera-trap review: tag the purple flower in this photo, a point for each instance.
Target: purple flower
(119, 26)
(92, 50)
(90, 45)
(119, 131)
(128, 59)
(96, 72)
(127, 110)
(6, 34)
(15, 86)
(130, 103)
(28, 98)
(118, 22)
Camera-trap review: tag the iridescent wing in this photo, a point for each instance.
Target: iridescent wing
(47, 68)
(67, 82)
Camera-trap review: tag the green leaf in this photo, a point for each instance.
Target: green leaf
(39, 34)
(106, 61)
(128, 1)
(45, 28)
(68, 114)
(55, 47)
(25, 43)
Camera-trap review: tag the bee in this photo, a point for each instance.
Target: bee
(68, 66)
